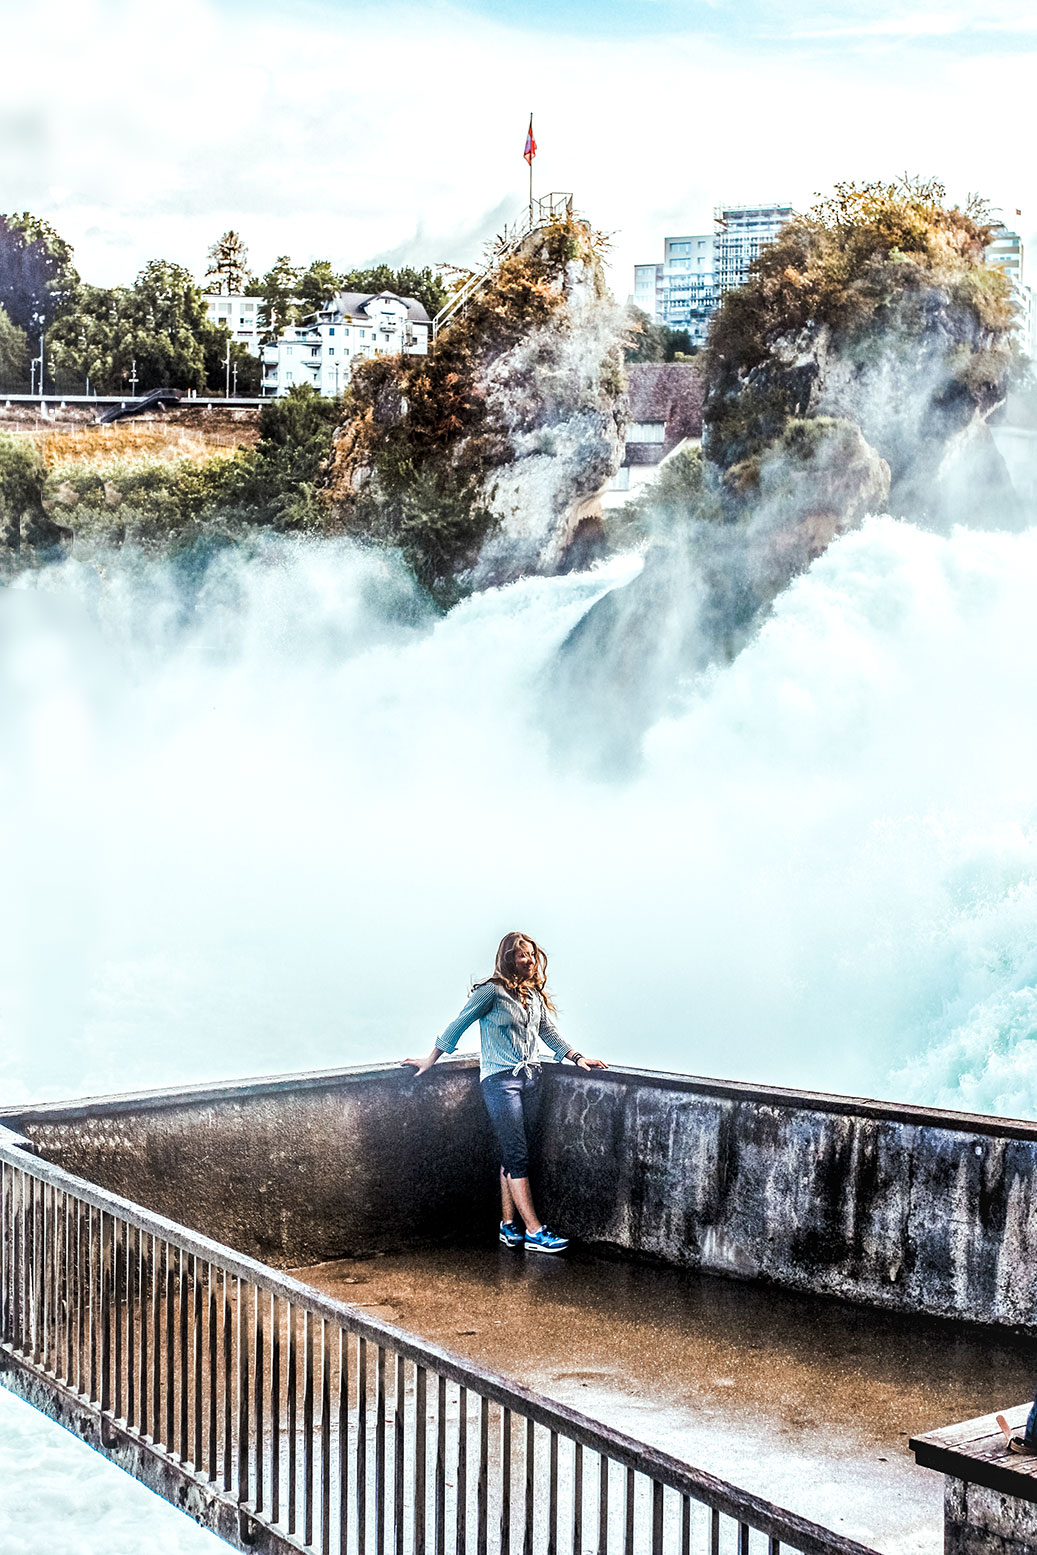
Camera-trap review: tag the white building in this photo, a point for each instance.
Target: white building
(240, 314)
(648, 290)
(354, 325)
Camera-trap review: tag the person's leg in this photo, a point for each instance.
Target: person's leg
(520, 1192)
(521, 1188)
(1030, 1435)
(507, 1203)
(502, 1094)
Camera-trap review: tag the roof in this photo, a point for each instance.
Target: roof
(355, 302)
(670, 392)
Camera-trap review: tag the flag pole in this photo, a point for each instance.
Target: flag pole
(531, 174)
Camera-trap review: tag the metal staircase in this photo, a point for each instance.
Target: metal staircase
(552, 207)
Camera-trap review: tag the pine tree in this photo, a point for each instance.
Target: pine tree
(228, 265)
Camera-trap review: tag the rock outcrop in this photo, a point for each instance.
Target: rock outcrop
(484, 459)
(853, 373)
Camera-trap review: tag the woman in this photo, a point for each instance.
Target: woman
(513, 1009)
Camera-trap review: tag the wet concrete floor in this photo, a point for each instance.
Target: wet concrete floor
(807, 1402)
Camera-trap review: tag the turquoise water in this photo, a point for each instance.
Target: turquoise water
(270, 814)
(273, 815)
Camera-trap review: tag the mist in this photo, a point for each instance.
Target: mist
(265, 812)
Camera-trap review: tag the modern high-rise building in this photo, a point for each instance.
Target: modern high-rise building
(1005, 253)
(741, 232)
(699, 267)
(679, 292)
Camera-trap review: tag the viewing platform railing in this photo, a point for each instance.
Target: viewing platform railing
(284, 1420)
(550, 207)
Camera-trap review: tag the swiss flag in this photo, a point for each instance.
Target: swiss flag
(531, 145)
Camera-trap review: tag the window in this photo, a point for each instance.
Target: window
(287, 377)
(646, 432)
(363, 334)
(288, 350)
(331, 331)
(331, 350)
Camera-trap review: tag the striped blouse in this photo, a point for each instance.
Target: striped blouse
(508, 1032)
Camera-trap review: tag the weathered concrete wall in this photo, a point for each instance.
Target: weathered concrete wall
(978, 1521)
(293, 1171)
(907, 1208)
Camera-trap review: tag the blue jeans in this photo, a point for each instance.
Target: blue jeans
(513, 1102)
(1030, 1438)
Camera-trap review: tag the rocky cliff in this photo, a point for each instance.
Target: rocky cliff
(483, 460)
(853, 373)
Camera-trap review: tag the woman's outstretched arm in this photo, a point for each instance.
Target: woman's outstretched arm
(557, 1044)
(479, 1003)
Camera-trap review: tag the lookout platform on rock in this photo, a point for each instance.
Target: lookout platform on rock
(806, 1401)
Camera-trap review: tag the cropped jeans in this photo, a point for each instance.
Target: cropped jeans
(513, 1102)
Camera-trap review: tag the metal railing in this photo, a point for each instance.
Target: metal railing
(286, 1421)
(551, 207)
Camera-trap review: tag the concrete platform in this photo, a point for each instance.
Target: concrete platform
(807, 1402)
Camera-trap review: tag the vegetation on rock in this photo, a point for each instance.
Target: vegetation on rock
(875, 306)
(438, 453)
(852, 373)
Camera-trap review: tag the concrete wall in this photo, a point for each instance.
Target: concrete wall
(293, 1171)
(906, 1208)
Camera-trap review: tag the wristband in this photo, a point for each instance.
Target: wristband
(575, 1057)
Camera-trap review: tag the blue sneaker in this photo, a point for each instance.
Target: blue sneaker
(512, 1234)
(545, 1241)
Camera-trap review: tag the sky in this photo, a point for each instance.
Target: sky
(361, 132)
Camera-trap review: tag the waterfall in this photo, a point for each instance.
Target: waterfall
(265, 811)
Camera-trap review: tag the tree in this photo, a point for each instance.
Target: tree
(278, 290)
(14, 355)
(38, 282)
(651, 342)
(276, 482)
(246, 370)
(156, 332)
(228, 265)
(317, 285)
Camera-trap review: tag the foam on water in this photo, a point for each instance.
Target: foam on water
(274, 815)
(276, 818)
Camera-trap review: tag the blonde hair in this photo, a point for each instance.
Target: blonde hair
(505, 976)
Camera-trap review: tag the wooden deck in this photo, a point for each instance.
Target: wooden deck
(976, 1452)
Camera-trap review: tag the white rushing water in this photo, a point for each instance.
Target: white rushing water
(279, 820)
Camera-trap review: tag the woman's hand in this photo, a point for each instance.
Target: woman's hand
(420, 1064)
(590, 1063)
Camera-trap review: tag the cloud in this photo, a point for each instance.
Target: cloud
(353, 133)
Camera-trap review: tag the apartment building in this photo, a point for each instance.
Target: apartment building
(1005, 252)
(741, 232)
(240, 314)
(352, 326)
(699, 267)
